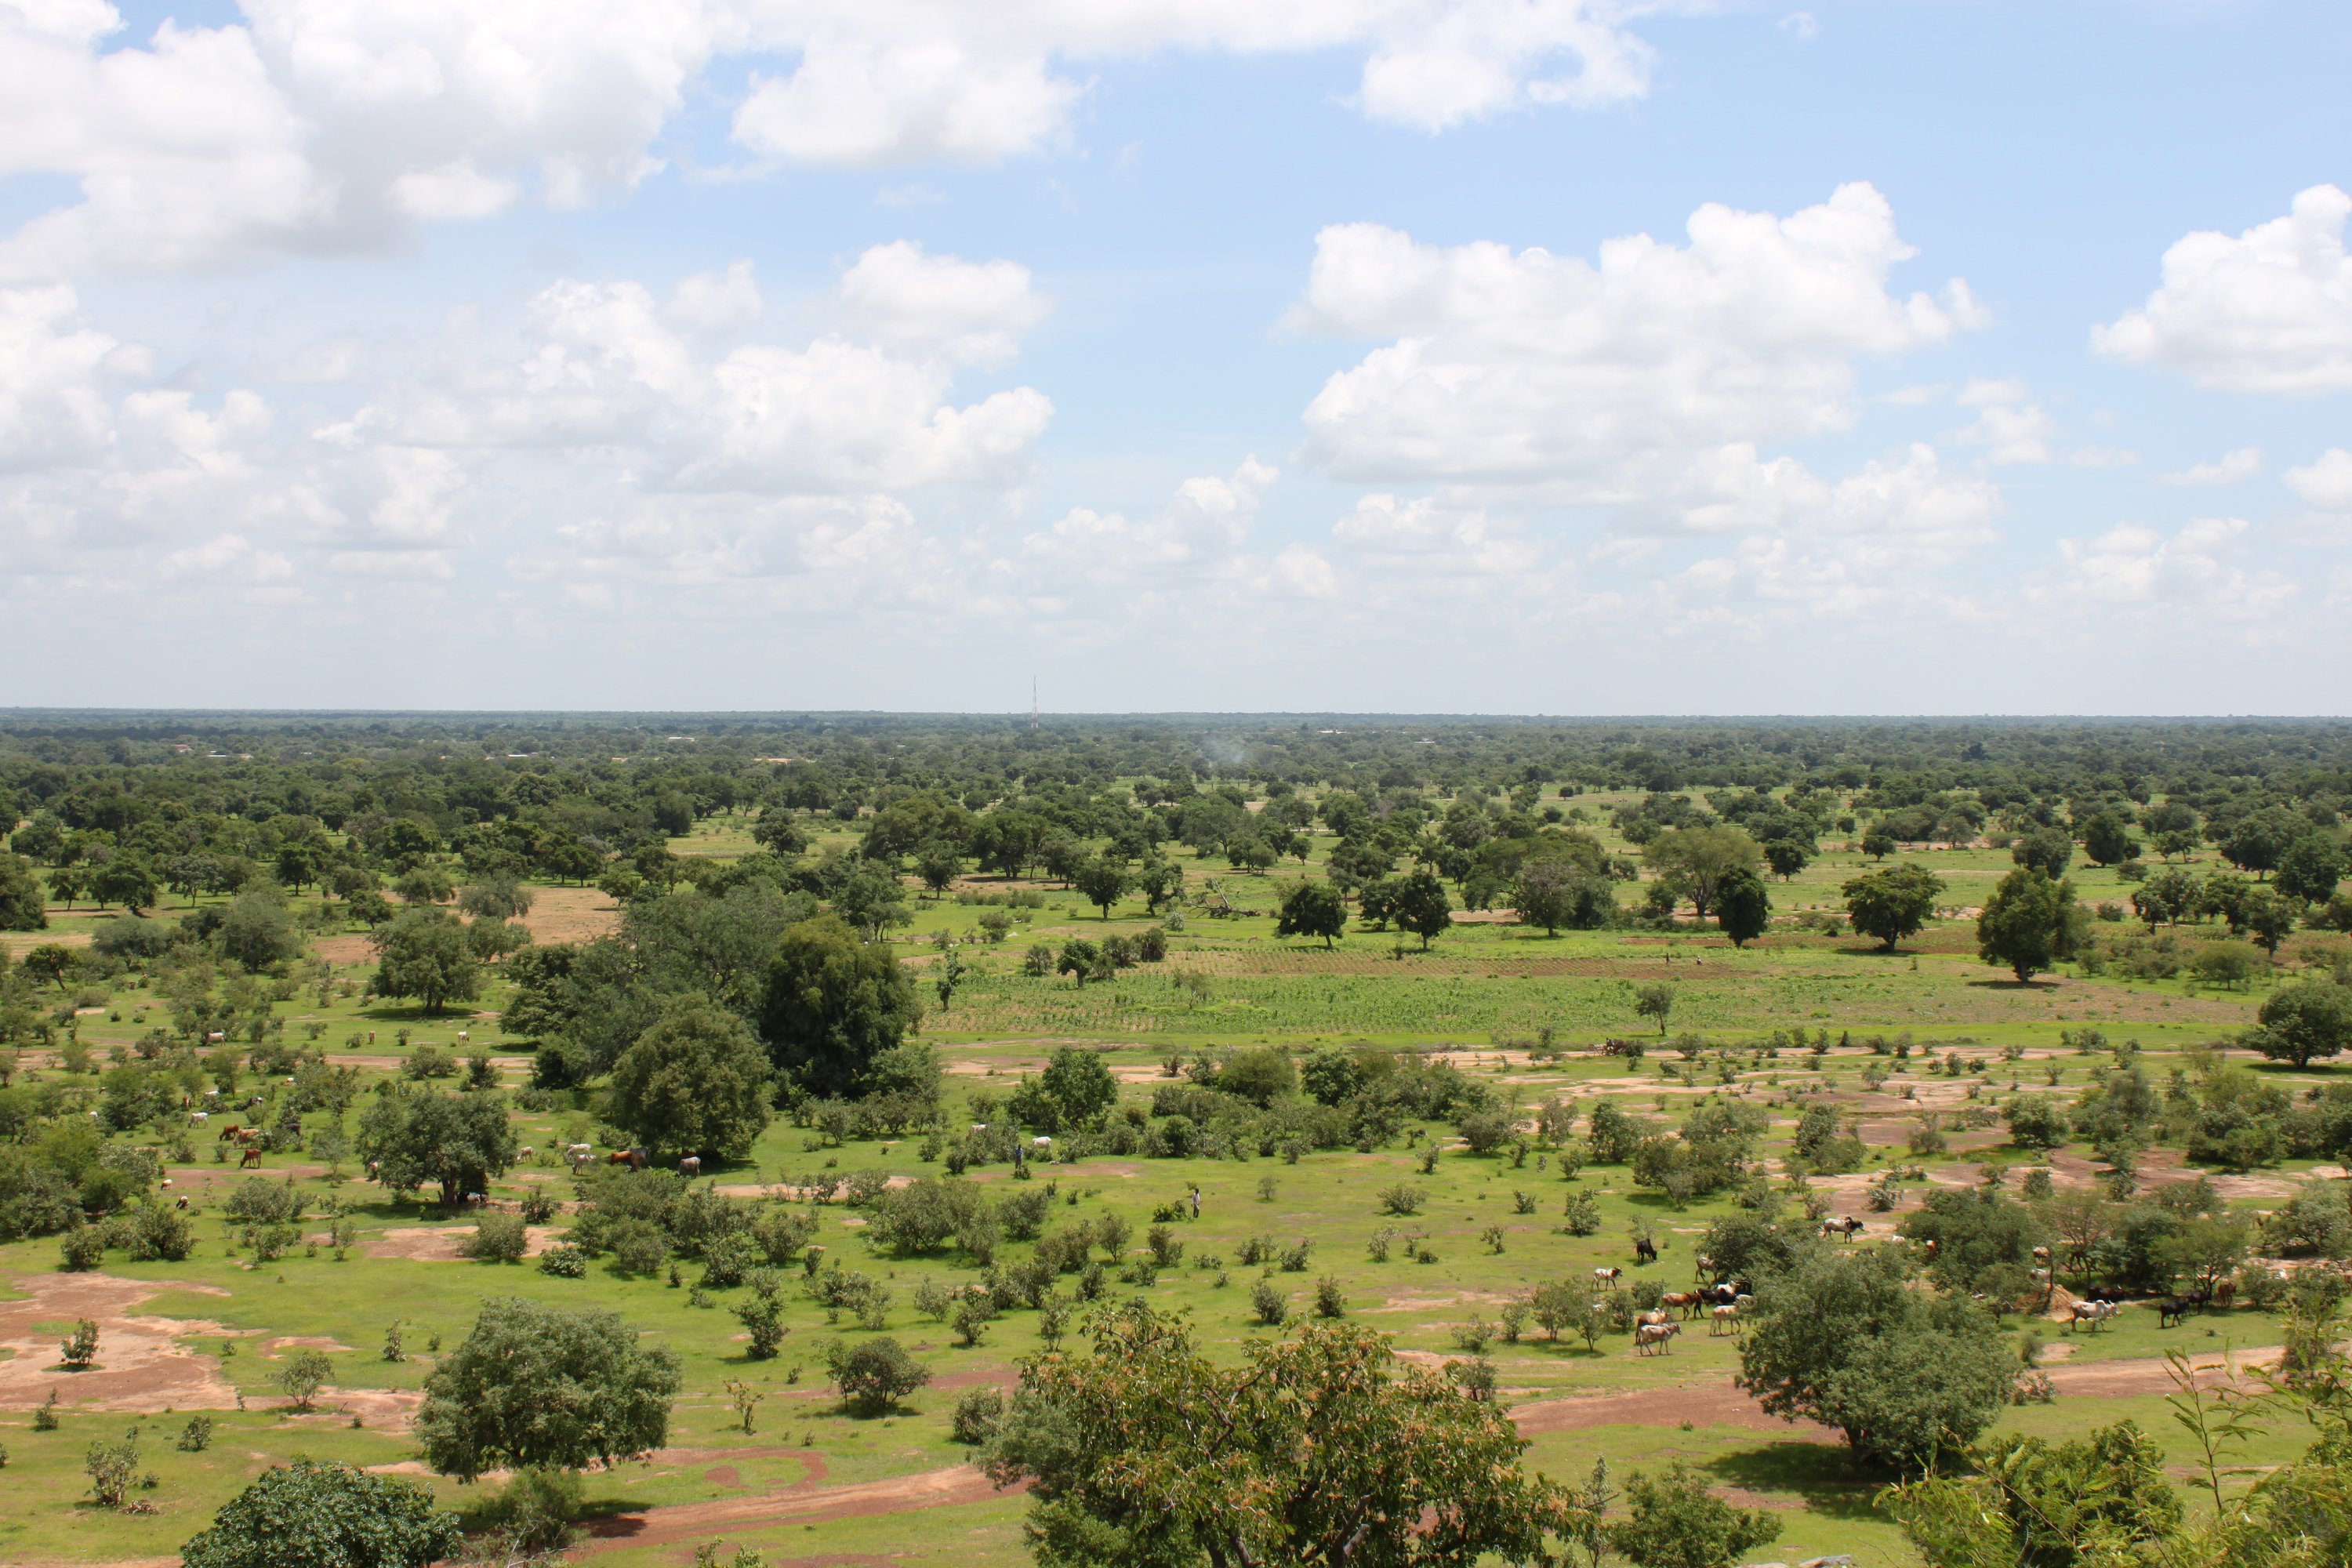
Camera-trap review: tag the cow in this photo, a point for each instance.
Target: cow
(1607, 1277)
(1043, 1145)
(635, 1159)
(1703, 1269)
(2092, 1312)
(252, 1158)
(1655, 1315)
(691, 1166)
(375, 1170)
(2172, 1309)
(1687, 1303)
(1844, 1229)
(1645, 1249)
(1724, 1295)
(230, 1133)
(2225, 1294)
(1743, 1300)
(183, 1203)
(1654, 1334)
(476, 1200)
(578, 1154)
(216, 1038)
(524, 1153)
(463, 1035)
(198, 1117)
(1726, 1320)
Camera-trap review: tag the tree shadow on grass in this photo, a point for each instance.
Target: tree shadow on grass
(1829, 1478)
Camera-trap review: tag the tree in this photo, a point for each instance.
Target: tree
(937, 862)
(1656, 1001)
(1319, 1449)
(1892, 904)
(2257, 841)
(2044, 849)
(1100, 883)
(2037, 1121)
(309, 1514)
(1878, 844)
(258, 933)
(2107, 839)
(835, 1006)
(127, 880)
(871, 899)
(696, 1082)
(20, 895)
(1159, 879)
(875, 1375)
(2024, 1501)
(1420, 906)
(2268, 917)
(1555, 891)
(1312, 909)
(302, 1374)
(1078, 1085)
(1787, 857)
(1694, 861)
(1841, 1338)
(540, 1386)
(2311, 868)
(413, 1136)
(2029, 922)
(2303, 1022)
(422, 952)
(1676, 1523)
(1743, 909)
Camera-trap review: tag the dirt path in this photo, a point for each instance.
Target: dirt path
(949, 1488)
(141, 1365)
(1723, 1404)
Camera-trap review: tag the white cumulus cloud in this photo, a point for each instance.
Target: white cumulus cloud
(2326, 483)
(2266, 310)
(2231, 467)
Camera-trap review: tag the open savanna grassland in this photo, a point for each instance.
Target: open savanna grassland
(1801, 1016)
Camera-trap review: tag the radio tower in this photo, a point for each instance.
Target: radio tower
(1033, 704)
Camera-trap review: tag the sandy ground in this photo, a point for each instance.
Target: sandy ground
(141, 1365)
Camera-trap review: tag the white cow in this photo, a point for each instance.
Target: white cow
(197, 1118)
(1654, 1335)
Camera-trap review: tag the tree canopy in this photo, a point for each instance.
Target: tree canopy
(535, 1386)
(696, 1082)
(310, 1514)
(835, 1006)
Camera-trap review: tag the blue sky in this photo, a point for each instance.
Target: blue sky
(1563, 356)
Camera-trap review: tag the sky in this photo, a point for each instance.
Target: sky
(1547, 356)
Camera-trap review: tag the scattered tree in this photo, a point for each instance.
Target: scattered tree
(695, 1082)
(1892, 904)
(311, 1514)
(535, 1385)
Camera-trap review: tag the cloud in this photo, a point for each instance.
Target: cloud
(975, 312)
(2232, 468)
(2134, 568)
(1601, 381)
(335, 125)
(1202, 530)
(2326, 483)
(2268, 310)
(711, 303)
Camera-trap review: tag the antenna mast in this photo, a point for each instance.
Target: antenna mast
(1033, 704)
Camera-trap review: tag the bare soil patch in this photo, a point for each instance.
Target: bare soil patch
(1701, 1404)
(442, 1243)
(697, 1520)
(141, 1365)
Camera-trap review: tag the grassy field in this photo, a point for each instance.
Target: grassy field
(812, 1484)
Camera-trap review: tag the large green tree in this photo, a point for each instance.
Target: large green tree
(536, 1387)
(2304, 1022)
(1892, 904)
(1554, 892)
(20, 895)
(696, 1082)
(1743, 908)
(1694, 861)
(1420, 907)
(422, 952)
(1312, 909)
(2029, 922)
(310, 1514)
(2311, 868)
(410, 1137)
(835, 1006)
(1844, 1340)
(1327, 1449)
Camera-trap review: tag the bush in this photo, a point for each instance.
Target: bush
(84, 1248)
(1269, 1305)
(1401, 1200)
(564, 1262)
(977, 1415)
(196, 1435)
(875, 1375)
(1330, 1301)
(497, 1237)
(1583, 1214)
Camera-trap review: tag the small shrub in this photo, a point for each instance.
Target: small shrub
(1582, 1215)
(564, 1262)
(196, 1435)
(1330, 1301)
(499, 1237)
(80, 1348)
(977, 1415)
(1269, 1305)
(1401, 1200)
(84, 1248)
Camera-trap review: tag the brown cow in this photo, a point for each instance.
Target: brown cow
(252, 1158)
(230, 1133)
(1687, 1303)
(1607, 1277)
